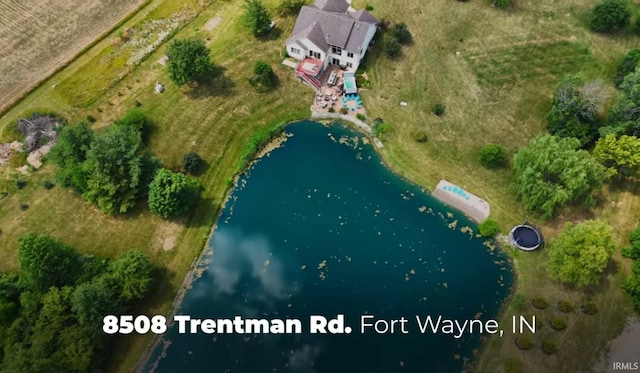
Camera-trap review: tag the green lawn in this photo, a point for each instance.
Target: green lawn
(496, 89)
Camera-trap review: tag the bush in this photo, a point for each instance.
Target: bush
(331, 109)
(368, 8)
(493, 156)
(91, 118)
(589, 308)
(48, 184)
(24, 206)
(392, 47)
(512, 364)
(489, 228)
(564, 306)
(627, 65)
(610, 16)
(501, 3)
(361, 117)
(420, 136)
(401, 33)
(540, 303)
(574, 109)
(263, 76)
(438, 109)
(549, 347)
(20, 183)
(558, 323)
(191, 162)
(379, 129)
(343, 111)
(524, 342)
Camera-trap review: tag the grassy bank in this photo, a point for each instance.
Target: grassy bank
(497, 88)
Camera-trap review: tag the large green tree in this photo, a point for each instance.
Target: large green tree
(573, 113)
(188, 60)
(624, 116)
(627, 65)
(115, 169)
(133, 274)
(580, 253)
(256, 17)
(552, 172)
(46, 262)
(621, 156)
(69, 152)
(172, 194)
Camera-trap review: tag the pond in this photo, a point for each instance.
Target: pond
(320, 226)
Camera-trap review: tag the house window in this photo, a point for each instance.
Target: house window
(350, 55)
(335, 61)
(336, 50)
(295, 50)
(349, 65)
(314, 54)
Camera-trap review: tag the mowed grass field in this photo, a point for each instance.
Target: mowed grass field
(37, 37)
(493, 70)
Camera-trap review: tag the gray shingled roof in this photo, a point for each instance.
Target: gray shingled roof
(324, 28)
(339, 6)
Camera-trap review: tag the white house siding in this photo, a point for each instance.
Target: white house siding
(367, 40)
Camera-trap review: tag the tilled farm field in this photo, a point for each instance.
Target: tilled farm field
(38, 36)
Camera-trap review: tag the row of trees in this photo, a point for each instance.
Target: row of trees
(51, 315)
(632, 286)
(114, 168)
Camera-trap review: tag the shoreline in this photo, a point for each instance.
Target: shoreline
(276, 140)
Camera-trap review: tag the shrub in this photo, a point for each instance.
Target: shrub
(610, 16)
(558, 323)
(524, 342)
(24, 206)
(549, 347)
(501, 3)
(489, 228)
(48, 184)
(379, 129)
(627, 65)
(361, 117)
(401, 33)
(493, 156)
(632, 252)
(191, 162)
(540, 303)
(512, 364)
(420, 136)
(589, 308)
(20, 183)
(263, 76)
(564, 306)
(91, 118)
(368, 8)
(343, 110)
(438, 109)
(392, 47)
(331, 109)
(574, 109)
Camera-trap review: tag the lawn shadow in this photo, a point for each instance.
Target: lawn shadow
(218, 85)
(206, 212)
(273, 34)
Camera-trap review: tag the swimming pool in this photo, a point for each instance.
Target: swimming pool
(350, 84)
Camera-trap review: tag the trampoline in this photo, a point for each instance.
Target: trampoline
(525, 237)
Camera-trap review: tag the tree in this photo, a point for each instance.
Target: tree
(573, 113)
(91, 301)
(551, 172)
(580, 253)
(188, 60)
(627, 65)
(401, 33)
(624, 116)
(489, 228)
(256, 17)
(9, 299)
(68, 154)
(138, 120)
(392, 47)
(621, 156)
(263, 77)
(191, 162)
(172, 194)
(115, 168)
(493, 156)
(133, 274)
(610, 16)
(45, 262)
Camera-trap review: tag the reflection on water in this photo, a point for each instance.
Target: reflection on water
(319, 226)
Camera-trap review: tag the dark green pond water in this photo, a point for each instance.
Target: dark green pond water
(320, 226)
